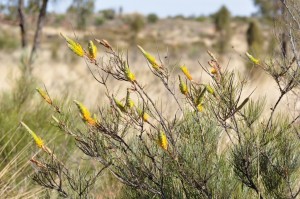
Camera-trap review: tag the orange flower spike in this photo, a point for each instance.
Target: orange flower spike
(38, 141)
(186, 72)
(85, 114)
(44, 95)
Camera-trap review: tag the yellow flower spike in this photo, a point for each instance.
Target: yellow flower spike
(129, 102)
(129, 75)
(162, 140)
(145, 116)
(186, 72)
(210, 89)
(254, 60)
(44, 95)
(119, 105)
(200, 107)
(85, 114)
(183, 87)
(92, 50)
(213, 71)
(150, 58)
(74, 46)
(38, 141)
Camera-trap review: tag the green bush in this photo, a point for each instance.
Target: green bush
(152, 18)
(209, 141)
(255, 38)
(108, 14)
(99, 21)
(222, 20)
(7, 42)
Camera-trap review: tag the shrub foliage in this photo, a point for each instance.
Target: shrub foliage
(211, 141)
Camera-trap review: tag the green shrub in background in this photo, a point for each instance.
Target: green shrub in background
(255, 41)
(7, 42)
(108, 14)
(152, 18)
(255, 38)
(222, 20)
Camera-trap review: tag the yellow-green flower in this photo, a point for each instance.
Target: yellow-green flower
(186, 72)
(162, 140)
(92, 50)
(150, 58)
(213, 71)
(74, 46)
(200, 107)
(38, 141)
(254, 60)
(44, 95)
(129, 102)
(183, 87)
(119, 105)
(145, 116)
(85, 114)
(210, 89)
(129, 75)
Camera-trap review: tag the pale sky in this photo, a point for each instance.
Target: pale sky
(165, 8)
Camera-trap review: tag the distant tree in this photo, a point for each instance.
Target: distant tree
(269, 8)
(274, 9)
(136, 23)
(222, 21)
(108, 13)
(254, 37)
(82, 9)
(152, 18)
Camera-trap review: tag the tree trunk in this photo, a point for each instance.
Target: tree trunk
(22, 23)
(40, 23)
(284, 38)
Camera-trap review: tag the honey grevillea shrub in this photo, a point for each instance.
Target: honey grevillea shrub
(213, 143)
